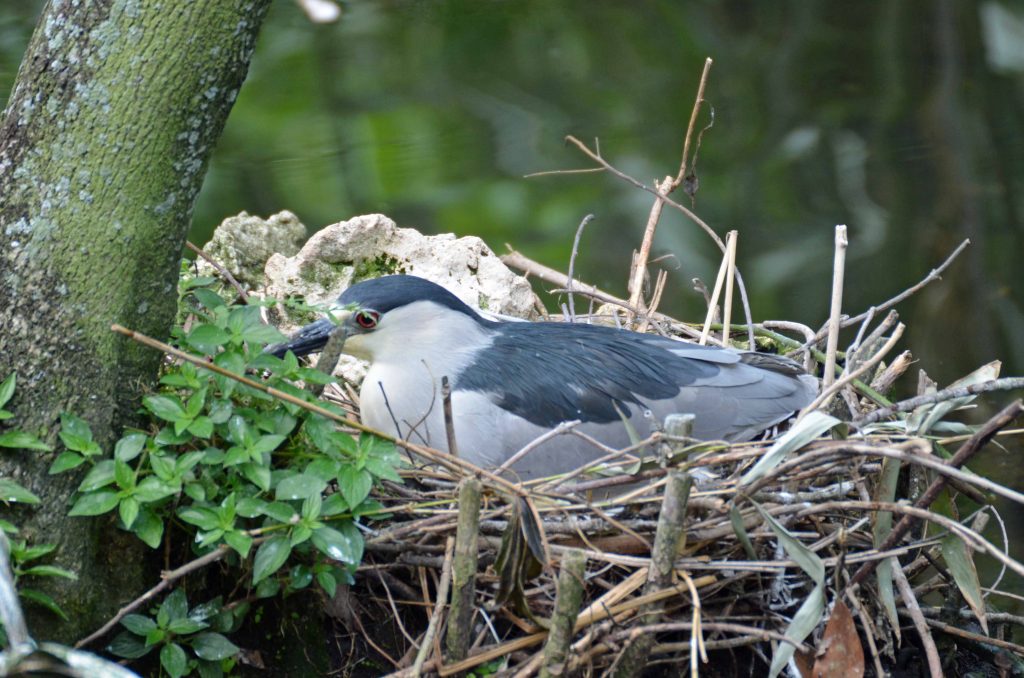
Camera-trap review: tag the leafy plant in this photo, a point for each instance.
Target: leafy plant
(225, 464)
(179, 632)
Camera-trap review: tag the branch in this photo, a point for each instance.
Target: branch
(1004, 384)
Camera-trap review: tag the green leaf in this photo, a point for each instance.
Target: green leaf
(809, 614)
(327, 582)
(965, 574)
(239, 541)
(333, 505)
(213, 647)
(94, 503)
(100, 475)
(49, 571)
(203, 518)
(129, 646)
(207, 338)
(257, 475)
(186, 625)
(299, 486)
(7, 388)
(267, 443)
(44, 600)
(263, 334)
(20, 440)
(124, 475)
(311, 507)
(129, 446)
(148, 528)
(270, 556)
(175, 606)
(164, 467)
(12, 491)
(173, 659)
(138, 624)
(202, 427)
(153, 489)
(344, 546)
(75, 427)
(803, 432)
(208, 298)
(280, 511)
(382, 468)
(354, 484)
(299, 534)
(66, 461)
(128, 509)
(164, 407)
(250, 507)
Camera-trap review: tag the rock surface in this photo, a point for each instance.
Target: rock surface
(243, 243)
(373, 245)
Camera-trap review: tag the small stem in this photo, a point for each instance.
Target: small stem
(838, 266)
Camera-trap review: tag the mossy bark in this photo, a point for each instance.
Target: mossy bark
(103, 146)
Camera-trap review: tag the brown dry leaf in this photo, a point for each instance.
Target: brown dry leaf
(840, 652)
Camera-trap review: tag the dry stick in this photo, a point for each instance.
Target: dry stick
(1004, 384)
(13, 620)
(636, 281)
(572, 263)
(567, 607)
(523, 263)
(449, 421)
(966, 451)
(329, 357)
(220, 269)
(671, 524)
(930, 651)
(933, 275)
(464, 566)
(439, 601)
(730, 276)
(684, 163)
(827, 393)
(667, 185)
(838, 266)
(719, 283)
(451, 463)
(596, 157)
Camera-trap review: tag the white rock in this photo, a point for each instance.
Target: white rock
(373, 245)
(243, 243)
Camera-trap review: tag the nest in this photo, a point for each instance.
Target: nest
(707, 557)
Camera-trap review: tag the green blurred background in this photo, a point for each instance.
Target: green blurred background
(903, 120)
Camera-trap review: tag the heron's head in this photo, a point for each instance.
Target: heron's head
(387, 318)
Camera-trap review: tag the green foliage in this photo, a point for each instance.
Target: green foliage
(224, 464)
(24, 564)
(172, 627)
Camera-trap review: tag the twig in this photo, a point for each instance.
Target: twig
(683, 164)
(933, 275)
(826, 395)
(636, 281)
(220, 269)
(715, 294)
(838, 267)
(596, 157)
(460, 619)
(561, 429)
(11, 616)
(329, 356)
(439, 603)
(1004, 384)
(567, 607)
(966, 451)
(572, 263)
(449, 422)
(730, 276)
(930, 651)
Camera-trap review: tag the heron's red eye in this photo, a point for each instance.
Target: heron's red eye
(367, 319)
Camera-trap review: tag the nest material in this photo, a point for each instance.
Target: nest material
(692, 563)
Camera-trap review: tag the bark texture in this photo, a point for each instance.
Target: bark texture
(103, 147)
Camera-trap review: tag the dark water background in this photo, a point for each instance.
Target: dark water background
(904, 121)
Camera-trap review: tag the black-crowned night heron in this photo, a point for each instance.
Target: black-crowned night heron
(513, 381)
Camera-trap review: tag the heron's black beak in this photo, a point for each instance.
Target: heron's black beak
(311, 338)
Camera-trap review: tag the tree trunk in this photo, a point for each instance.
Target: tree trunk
(103, 147)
